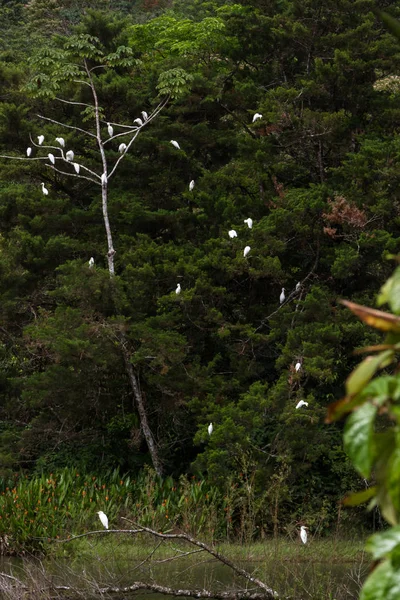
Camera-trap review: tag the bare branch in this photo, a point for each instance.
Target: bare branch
(268, 592)
(73, 103)
(67, 126)
(75, 174)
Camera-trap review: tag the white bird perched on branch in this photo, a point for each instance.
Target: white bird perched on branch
(145, 115)
(77, 168)
(257, 116)
(44, 189)
(40, 139)
(138, 121)
(246, 251)
(282, 296)
(104, 178)
(191, 185)
(232, 233)
(91, 262)
(51, 158)
(110, 129)
(61, 141)
(103, 518)
(298, 366)
(70, 155)
(303, 534)
(301, 403)
(174, 143)
(28, 152)
(298, 286)
(122, 147)
(210, 429)
(249, 222)
(178, 289)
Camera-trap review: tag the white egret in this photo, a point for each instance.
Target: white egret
(138, 121)
(28, 152)
(210, 429)
(246, 251)
(122, 148)
(303, 534)
(191, 185)
(70, 155)
(298, 286)
(91, 263)
(232, 233)
(103, 518)
(301, 403)
(178, 289)
(51, 158)
(145, 115)
(104, 179)
(110, 129)
(249, 222)
(257, 116)
(298, 366)
(40, 139)
(61, 141)
(282, 296)
(174, 143)
(77, 168)
(44, 189)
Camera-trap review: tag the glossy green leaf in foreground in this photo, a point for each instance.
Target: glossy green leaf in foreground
(358, 438)
(381, 544)
(390, 292)
(377, 584)
(365, 370)
(360, 497)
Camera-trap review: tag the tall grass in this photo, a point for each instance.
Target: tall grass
(34, 512)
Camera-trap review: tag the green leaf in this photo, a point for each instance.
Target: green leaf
(360, 497)
(365, 370)
(375, 587)
(381, 544)
(390, 292)
(358, 437)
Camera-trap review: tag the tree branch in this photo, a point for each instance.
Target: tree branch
(67, 126)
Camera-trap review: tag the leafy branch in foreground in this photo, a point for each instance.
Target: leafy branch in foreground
(372, 436)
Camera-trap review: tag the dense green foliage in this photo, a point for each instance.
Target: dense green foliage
(317, 173)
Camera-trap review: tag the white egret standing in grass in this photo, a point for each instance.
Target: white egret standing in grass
(103, 518)
(191, 185)
(70, 155)
(91, 263)
(110, 129)
(145, 115)
(28, 152)
(44, 189)
(40, 139)
(246, 251)
(174, 143)
(138, 121)
(257, 116)
(249, 222)
(51, 158)
(282, 296)
(232, 233)
(61, 141)
(122, 148)
(301, 403)
(77, 168)
(178, 289)
(298, 366)
(303, 534)
(210, 429)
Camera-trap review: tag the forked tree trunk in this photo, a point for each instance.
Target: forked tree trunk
(137, 395)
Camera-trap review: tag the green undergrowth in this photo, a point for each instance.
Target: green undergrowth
(37, 513)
